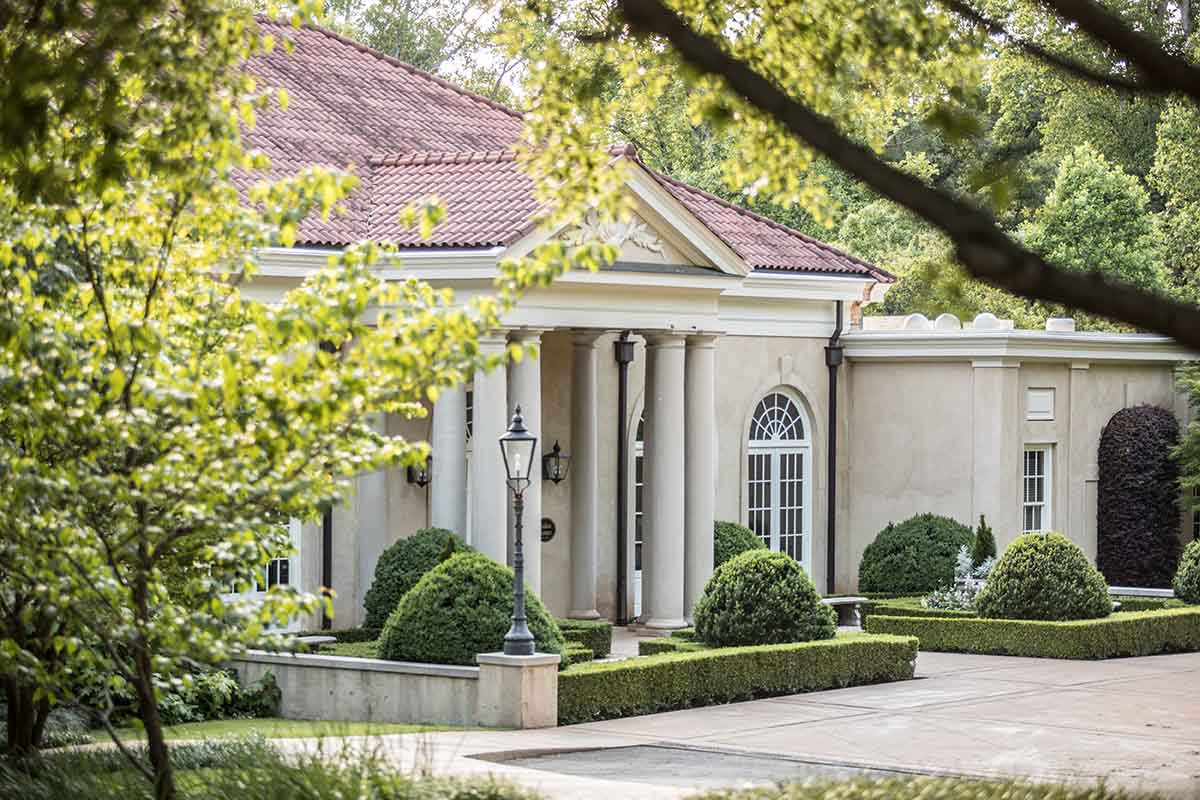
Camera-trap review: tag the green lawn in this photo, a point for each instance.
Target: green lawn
(356, 649)
(275, 728)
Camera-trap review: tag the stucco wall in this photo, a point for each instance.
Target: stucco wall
(945, 437)
(949, 438)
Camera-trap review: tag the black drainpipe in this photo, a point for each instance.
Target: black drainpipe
(833, 360)
(623, 353)
(326, 562)
(327, 538)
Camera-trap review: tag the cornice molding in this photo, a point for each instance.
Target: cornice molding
(995, 346)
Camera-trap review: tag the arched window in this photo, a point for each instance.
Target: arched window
(779, 476)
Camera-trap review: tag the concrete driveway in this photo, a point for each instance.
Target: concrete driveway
(1132, 722)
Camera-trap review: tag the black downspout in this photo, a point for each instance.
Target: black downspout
(327, 538)
(833, 360)
(623, 353)
(326, 563)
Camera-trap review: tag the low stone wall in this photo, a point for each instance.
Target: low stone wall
(366, 689)
(508, 691)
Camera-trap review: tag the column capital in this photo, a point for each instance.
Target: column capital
(665, 338)
(995, 363)
(494, 340)
(702, 340)
(586, 337)
(527, 334)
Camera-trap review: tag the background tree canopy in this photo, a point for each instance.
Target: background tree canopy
(1088, 176)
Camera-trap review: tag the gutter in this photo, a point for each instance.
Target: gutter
(833, 359)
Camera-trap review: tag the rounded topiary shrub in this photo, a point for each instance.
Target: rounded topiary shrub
(460, 608)
(401, 566)
(730, 539)
(1187, 579)
(1044, 576)
(761, 597)
(1137, 516)
(915, 556)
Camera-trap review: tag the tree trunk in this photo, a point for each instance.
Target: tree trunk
(24, 730)
(160, 760)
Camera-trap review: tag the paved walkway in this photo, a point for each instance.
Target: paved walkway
(1133, 722)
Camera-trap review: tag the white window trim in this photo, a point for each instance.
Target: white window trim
(1046, 504)
(776, 449)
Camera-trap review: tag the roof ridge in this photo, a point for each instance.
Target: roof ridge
(777, 225)
(421, 157)
(417, 71)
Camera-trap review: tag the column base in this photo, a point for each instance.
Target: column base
(665, 624)
(593, 614)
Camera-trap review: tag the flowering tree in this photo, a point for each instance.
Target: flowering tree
(156, 424)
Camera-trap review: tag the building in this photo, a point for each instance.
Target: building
(750, 391)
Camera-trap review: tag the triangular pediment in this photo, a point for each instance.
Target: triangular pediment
(660, 233)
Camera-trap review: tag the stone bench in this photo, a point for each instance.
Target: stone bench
(847, 609)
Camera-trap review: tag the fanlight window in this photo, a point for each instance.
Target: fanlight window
(777, 419)
(779, 477)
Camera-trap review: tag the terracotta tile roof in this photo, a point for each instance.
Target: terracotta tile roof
(488, 197)
(763, 243)
(409, 135)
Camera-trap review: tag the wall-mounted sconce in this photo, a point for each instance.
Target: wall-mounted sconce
(420, 476)
(555, 464)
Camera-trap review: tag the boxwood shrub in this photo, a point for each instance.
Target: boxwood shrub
(460, 608)
(707, 677)
(731, 539)
(577, 654)
(1137, 514)
(661, 644)
(761, 597)
(400, 567)
(1187, 579)
(915, 556)
(908, 607)
(594, 634)
(1044, 576)
(1137, 633)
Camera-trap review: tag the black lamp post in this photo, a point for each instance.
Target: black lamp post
(517, 446)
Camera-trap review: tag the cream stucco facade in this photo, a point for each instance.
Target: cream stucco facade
(930, 418)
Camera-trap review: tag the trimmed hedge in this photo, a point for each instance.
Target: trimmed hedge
(462, 607)
(348, 635)
(1044, 576)
(663, 644)
(1137, 515)
(594, 634)
(1137, 633)
(399, 568)
(577, 654)
(915, 556)
(909, 607)
(731, 539)
(1187, 579)
(1149, 603)
(762, 597)
(672, 681)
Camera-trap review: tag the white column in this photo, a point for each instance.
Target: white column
(584, 475)
(372, 502)
(525, 390)
(448, 442)
(489, 491)
(663, 550)
(700, 424)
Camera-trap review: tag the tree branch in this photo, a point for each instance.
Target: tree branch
(981, 246)
(1068, 65)
(1161, 71)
